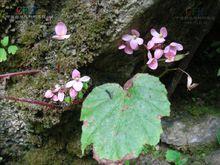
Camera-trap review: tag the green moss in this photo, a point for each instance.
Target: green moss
(33, 87)
(87, 35)
(61, 143)
(199, 111)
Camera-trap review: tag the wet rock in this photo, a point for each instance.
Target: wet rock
(189, 131)
(149, 160)
(13, 132)
(213, 158)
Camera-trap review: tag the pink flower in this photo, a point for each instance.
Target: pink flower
(61, 31)
(159, 38)
(56, 95)
(73, 93)
(171, 50)
(133, 39)
(152, 61)
(126, 47)
(77, 82)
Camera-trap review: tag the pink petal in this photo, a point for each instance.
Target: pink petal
(167, 49)
(55, 98)
(122, 47)
(170, 57)
(133, 44)
(128, 50)
(61, 96)
(190, 85)
(135, 32)
(150, 44)
(57, 37)
(158, 53)
(49, 94)
(73, 93)
(127, 37)
(75, 74)
(152, 64)
(85, 79)
(69, 84)
(163, 31)
(60, 29)
(179, 47)
(154, 33)
(173, 44)
(158, 40)
(149, 55)
(140, 41)
(189, 81)
(78, 85)
(57, 88)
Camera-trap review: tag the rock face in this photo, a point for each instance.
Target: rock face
(149, 160)
(213, 158)
(13, 132)
(190, 132)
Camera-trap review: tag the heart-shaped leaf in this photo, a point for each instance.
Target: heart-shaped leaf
(5, 41)
(12, 49)
(119, 122)
(3, 55)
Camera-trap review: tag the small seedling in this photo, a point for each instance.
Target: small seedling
(6, 49)
(176, 157)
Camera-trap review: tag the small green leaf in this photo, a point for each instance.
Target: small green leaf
(218, 50)
(218, 74)
(68, 100)
(180, 57)
(12, 49)
(80, 95)
(173, 156)
(3, 55)
(85, 86)
(218, 136)
(5, 41)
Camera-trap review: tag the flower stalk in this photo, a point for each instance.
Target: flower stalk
(28, 72)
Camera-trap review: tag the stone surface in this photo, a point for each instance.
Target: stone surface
(213, 158)
(149, 160)
(190, 132)
(13, 132)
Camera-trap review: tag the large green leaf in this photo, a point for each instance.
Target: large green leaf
(119, 122)
(5, 41)
(3, 55)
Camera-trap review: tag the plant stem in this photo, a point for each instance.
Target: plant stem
(166, 71)
(36, 102)
(8, 75)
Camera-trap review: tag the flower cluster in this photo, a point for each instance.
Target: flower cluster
(131, 42)
(74, 88)
(155, 45)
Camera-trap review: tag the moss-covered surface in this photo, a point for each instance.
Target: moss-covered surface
(59, 144)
